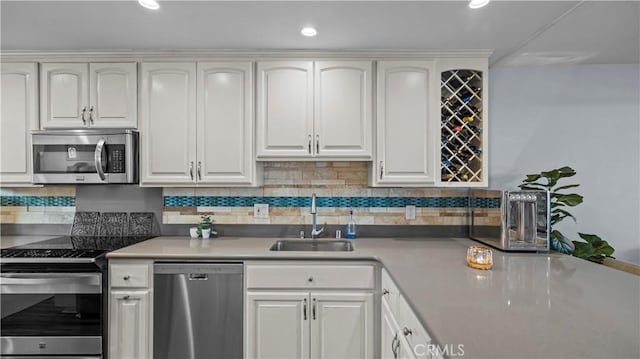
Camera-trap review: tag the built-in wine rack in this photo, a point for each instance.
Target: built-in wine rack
(461, 126)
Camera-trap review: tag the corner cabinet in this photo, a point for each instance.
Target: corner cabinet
(79, 95)
(309, 311)
(407, 96)
(314, 110)
(431, 126)
(19, 106)
(197, 124)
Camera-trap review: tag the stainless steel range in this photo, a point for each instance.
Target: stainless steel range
(53, 297)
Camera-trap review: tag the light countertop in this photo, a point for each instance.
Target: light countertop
(527, 306)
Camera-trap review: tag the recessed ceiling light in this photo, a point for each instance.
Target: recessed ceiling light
(309, 31)
(476, 4)
(149, 4)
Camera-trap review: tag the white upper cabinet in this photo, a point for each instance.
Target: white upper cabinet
(285, 109)
(225, 123)
(196, 124)
(342, 125)
(18, 117)
(168, 123)
(64, 95)
(113, 95)
(407, 100)
(77, 95)
(312, 110)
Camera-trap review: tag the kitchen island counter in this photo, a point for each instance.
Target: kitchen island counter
(528, 306)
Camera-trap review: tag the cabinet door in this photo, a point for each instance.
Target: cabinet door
(277, 325)
(342, 121)
(342, 325)
(388, 332)
(17, 119)
(285, 109)
(130, 324)
(225, 123)
(113, 95)
(168, 123)
(64, 95)
(406, 130)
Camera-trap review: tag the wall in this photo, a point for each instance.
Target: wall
(586, 117)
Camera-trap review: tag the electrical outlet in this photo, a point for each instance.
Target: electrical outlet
(410, 212)
(261, 210)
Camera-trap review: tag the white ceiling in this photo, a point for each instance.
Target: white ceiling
(520, 32)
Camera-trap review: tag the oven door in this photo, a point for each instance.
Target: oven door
(84, 156)
(51, 314)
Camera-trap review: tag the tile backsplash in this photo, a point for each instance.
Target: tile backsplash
(38, 205)
(287, 189)
(339, 187)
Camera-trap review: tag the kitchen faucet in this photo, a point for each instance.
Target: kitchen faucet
(315, 232)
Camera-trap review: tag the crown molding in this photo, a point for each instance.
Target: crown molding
(203, 55)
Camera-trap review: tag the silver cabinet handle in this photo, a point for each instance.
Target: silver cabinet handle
(91, 115)
(126, 297)
(310, 279)
(126, 277)
(395, 345)
(199, 170)
(317, 144)
(313, 309)
(406, 331)
(84, 111)
(97, 158)
(304, 309)
(381, 169)
(309, 145)
(191, 170)
(385, 291)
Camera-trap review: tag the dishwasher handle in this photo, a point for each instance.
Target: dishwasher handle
(198, 271)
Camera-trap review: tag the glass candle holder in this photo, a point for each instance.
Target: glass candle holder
(479, 257)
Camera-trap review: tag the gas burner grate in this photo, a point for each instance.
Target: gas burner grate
(49, 253)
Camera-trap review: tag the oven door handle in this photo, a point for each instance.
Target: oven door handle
(97, 157)
(14, 283)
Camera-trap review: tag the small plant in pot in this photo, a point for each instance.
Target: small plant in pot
(594, 248)
(205, 226)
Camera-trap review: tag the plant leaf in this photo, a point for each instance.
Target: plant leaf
(532, 178)
(563, 214)
(565, 187)
(570, 200)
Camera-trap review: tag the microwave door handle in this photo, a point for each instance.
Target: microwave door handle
(97, 156)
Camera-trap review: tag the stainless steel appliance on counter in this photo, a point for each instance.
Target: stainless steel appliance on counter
(85, 156)
(510, 220)
(198, 310)
(53, 296)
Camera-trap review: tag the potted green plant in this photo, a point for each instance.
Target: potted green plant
(205, 225)
(593, 248)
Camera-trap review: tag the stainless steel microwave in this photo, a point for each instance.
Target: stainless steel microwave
(105, 156)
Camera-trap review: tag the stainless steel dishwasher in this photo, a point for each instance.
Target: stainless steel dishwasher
(197, 310)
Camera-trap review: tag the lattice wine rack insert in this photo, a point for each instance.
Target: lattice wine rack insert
(461, 126)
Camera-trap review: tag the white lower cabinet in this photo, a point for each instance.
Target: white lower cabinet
(290, 322)
(277, 325)
(130, 309)
(402, 336)
(129, 322)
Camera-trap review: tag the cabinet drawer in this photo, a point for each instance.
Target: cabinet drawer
(310, 276)
(390, 291)
(129, 275)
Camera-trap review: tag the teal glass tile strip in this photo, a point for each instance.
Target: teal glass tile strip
(354, 202)
(37, 201)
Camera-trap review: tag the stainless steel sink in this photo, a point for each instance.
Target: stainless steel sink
(312, 245)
